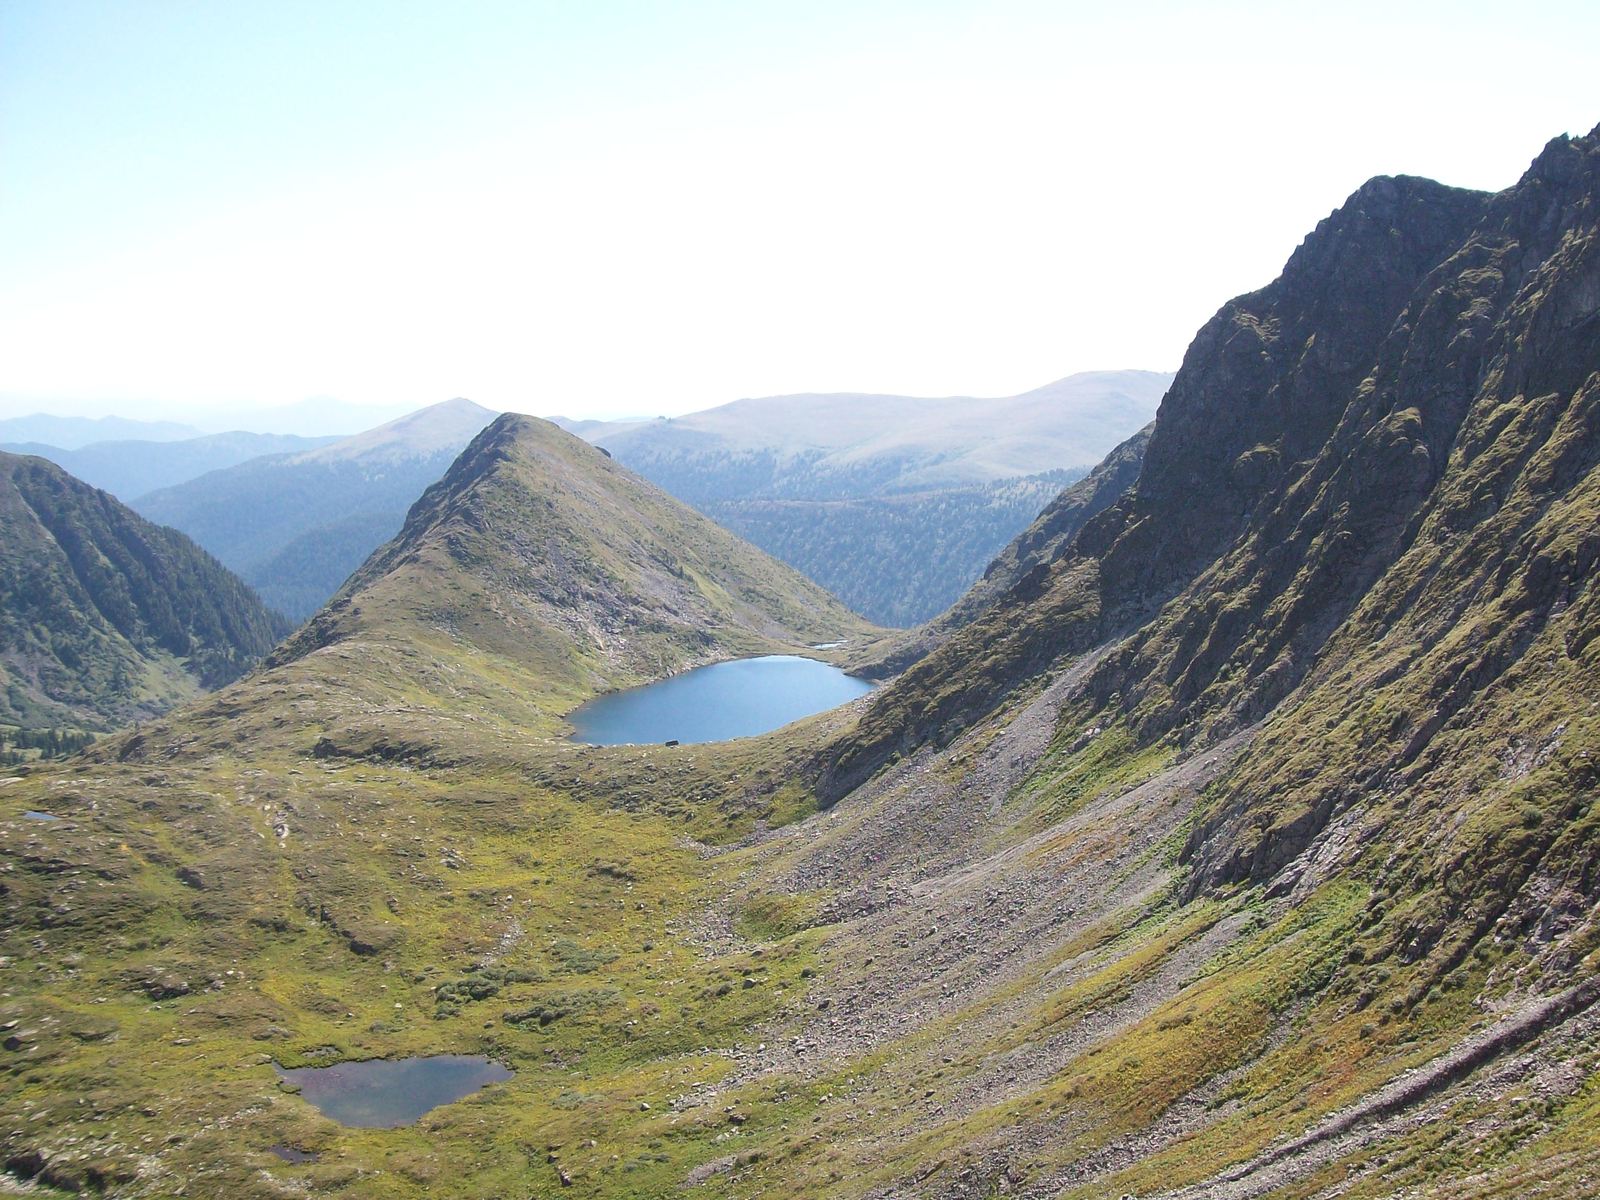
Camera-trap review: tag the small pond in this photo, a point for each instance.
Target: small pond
(713, 704)
(383, 1093)
(35, 815)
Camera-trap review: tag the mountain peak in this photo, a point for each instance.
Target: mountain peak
(1415, 218)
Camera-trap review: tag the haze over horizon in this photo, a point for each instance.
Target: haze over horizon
(645, 209)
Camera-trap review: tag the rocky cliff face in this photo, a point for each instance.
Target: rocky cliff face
(1308, 428)
(1366, 522)
(1336, 651)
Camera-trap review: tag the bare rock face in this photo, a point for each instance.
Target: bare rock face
(1261, 388)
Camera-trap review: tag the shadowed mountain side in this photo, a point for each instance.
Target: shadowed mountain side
(1328, 672)
(105, 618)
(1262, 386)
(301, 576)
(896, 558)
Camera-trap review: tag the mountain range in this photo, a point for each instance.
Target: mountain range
(541, 561)
(1234, 838)
(73, 433)
(893, 503)
(130, 469)
(842, 445)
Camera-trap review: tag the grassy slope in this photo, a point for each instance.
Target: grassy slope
(556, 574)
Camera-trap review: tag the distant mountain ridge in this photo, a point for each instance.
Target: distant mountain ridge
(894, 503)
(846, 445)
(104, 617)
(295, 525)
(73, 433)
(130, 469)
(315, 416)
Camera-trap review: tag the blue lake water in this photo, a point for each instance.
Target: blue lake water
(383, 1093)
(713, 704)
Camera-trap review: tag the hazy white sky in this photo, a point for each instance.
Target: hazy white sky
(602, 208)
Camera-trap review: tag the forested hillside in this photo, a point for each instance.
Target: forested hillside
(897, 559)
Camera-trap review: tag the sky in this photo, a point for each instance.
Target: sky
(606, 208)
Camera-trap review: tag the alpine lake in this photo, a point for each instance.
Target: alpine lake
(384, 1093)
(741, 698)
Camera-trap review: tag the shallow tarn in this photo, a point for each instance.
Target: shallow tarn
(385, 1093)
(727, 700)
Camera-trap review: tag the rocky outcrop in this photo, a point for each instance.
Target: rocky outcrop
(1262, 386)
